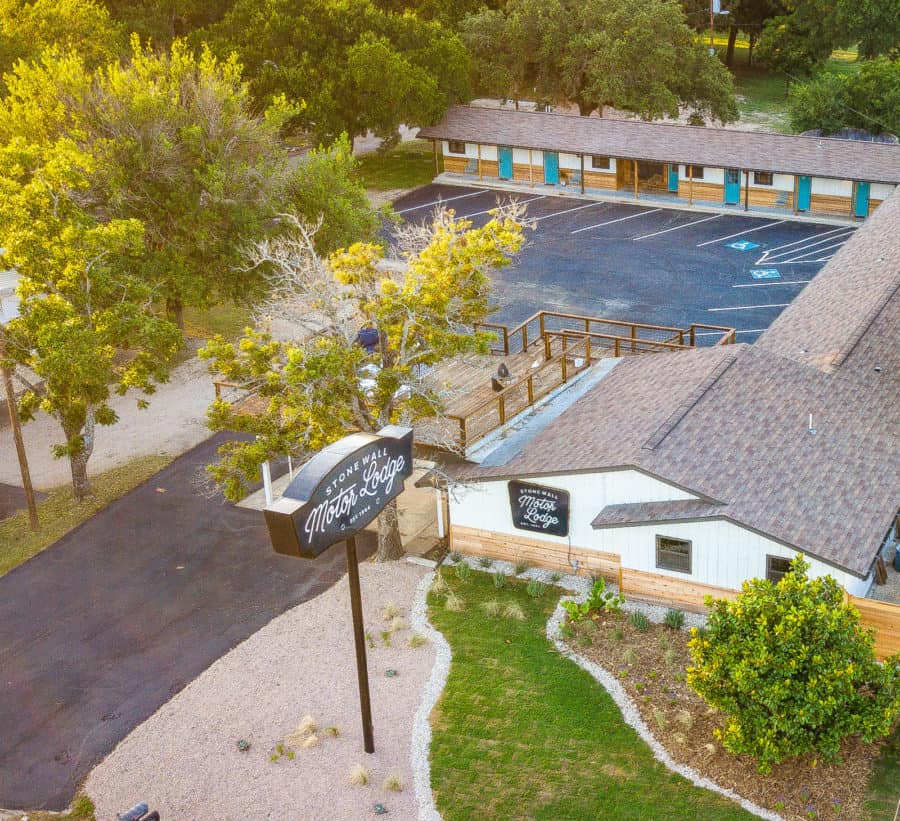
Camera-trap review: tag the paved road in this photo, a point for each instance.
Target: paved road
(100, 630)
(644, 262)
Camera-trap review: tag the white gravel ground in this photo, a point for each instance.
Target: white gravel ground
(184, 760)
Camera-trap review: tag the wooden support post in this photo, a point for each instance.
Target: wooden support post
(480, 175)
(617, 351)
(633, 338)
(621, 590)
(796, 191)
(582, 172)
(462, 433)
(853, 199)
(546, 348)
(530, 389)
(565, 371)
(362, 673)
(690, 185)
(501, 408)
(436, 167)
(20, 445)
(635, 178)
(530, 170)
(747, 191)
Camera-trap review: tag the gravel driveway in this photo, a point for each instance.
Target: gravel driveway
(184, 760)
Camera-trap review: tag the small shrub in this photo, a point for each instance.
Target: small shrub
(306, 726)
(535, 588)
(661, 720)
(393, 783)
(674, 619)
(520, 567)
(370, 640)
(417, 640)
(670, 656)
(492, 607)
(679, 738)
(629, 656)
(273, 757)
(279, 748)
(82, 807)
(623, 674)
(679, 676)
(439, 585)
(485, 561)
(685, 719)
(463, 571)
(566, 631)
(585, 640)
(391, 611)
(640, 686)
(500, 580)
(359, 775)
(709, 749)
(588, 626)
(555, 577)
(454, 603)
(386, 637)
(290, 755)
(652, 674)
(513, 610)
(310, 741)
(399, 623)
(243, 745)
(331, 732)
(455, 556)
(664, 643)
(618, 634)
(639, 621)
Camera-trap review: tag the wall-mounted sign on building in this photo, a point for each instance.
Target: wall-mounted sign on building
(538, 508)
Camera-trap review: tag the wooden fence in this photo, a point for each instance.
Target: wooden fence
(884, 619)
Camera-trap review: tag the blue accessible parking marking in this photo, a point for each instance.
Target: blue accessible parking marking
(742, 245)
(765, 273)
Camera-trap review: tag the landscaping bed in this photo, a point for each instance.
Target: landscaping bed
(651, 665)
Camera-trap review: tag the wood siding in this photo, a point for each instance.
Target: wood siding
(536, 552)
(770, 198)
(455, 165)
(670, 590)
(707, 191)
(884, 619)
(829, 204)
(598, 179)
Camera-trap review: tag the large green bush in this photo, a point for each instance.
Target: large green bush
(792, 670)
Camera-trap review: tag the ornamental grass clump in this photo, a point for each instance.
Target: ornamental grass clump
(500, 580)
(792, 670)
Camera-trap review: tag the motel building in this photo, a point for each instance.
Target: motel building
(684, 473)
(694, 165)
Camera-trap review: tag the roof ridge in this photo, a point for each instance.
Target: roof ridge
(865, 323)
(692, 399)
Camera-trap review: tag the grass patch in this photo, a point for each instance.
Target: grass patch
(543, 725)
(59, 512)
(226, 319)
(881, 801)
(408, 165)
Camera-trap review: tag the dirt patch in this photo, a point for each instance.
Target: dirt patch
(651, 666)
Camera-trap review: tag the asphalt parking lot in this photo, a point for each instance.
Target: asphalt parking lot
(643, 262)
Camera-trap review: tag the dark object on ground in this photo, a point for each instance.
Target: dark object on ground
(101, 629)
(897, 560)
(367, 338)
(12, 499)
(138, 813)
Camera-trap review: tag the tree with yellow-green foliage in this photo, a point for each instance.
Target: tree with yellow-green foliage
(792, 670)
(320, 383)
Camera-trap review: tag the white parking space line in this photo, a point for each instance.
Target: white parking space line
(677, 227)
(770, 284)
(740, 233)
(751, 307)
(807, 239)
(620, 219)
(488, 210)
(806, 242)
(805, 253)
(567, 211)
(442, 201)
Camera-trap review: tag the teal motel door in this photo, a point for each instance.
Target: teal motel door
(804, 192)
(551, 168)
(732, 186)
(861, 199)
(506, 164)
(673, 178)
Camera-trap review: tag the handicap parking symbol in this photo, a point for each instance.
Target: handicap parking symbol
(743, 245)
(765, 273)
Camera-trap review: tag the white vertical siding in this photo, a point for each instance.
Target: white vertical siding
(520, 156)
(488, 152)
(880, 191)
(710, 174)
(570, 161)
(835, 188)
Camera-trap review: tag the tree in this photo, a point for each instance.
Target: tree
(325, 189)
(636, 55)
(27, 29)
(320, 384)
(868, 100)
(163, 21)
(87, 325)
(355, 66)
(792, 670)
(176, 147)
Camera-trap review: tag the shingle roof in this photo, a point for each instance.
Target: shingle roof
(632, 139)
(637, 513)
(730, 423)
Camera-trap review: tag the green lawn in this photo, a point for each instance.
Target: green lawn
(521, 732)
(59, 512)
(409, 165)
(884, 788)
(225, 319)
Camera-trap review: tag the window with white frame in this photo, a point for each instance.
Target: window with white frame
(762, 177)
(673, 554)
(456, 147)
(599, 162)
(776, 567)
(695, 172)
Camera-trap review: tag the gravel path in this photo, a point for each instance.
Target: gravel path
(184, 760)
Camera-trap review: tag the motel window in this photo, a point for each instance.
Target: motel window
(695, 172)
(673, 554)
(762, 177)
(599, 162)
(776, 567)
(456, 147)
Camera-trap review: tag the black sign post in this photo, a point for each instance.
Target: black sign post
(334, 496)
(538, 508)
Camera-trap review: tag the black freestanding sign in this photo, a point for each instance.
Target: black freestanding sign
(334, 496)
(538, 508)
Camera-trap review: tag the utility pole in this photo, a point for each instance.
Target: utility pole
(712, 28)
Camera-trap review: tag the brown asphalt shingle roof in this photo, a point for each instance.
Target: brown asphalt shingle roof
(730, 423)
(638, 513)
(632, 139)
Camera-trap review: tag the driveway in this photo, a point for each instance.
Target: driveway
(101, 629)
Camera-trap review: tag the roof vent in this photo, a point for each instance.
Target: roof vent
(810, 428)
(878, 369)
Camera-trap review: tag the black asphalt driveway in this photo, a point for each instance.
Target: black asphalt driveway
(102, 628)
(643, 262)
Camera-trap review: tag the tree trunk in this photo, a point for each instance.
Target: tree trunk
(732, 38)
(752, 42)
(81, 485)
(175, 311)
(390, 547)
